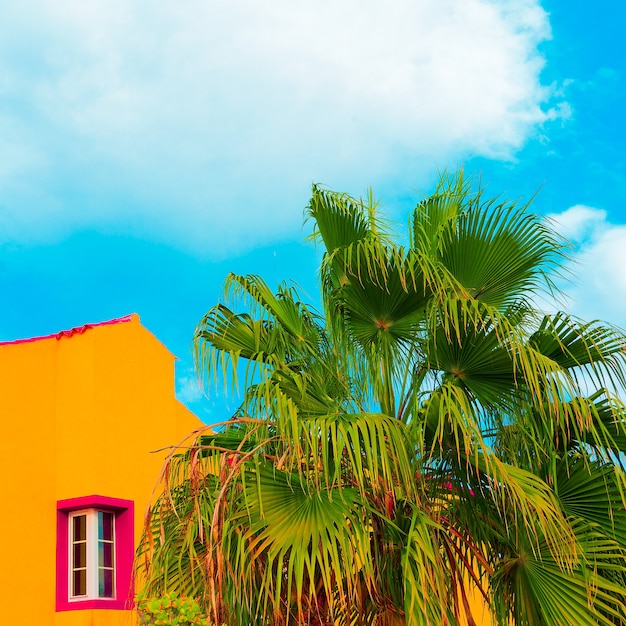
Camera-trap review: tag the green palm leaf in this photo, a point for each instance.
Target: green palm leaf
(310, 542)
(429, 439)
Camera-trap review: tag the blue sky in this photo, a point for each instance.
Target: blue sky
(148, 149)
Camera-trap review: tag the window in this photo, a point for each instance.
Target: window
(92, 554)
(95, 551)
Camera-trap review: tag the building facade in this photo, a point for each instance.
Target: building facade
(81, 416)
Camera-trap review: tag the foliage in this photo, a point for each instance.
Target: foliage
(429, 445)
(168, 610)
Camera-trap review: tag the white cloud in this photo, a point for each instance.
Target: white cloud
(597, 289)
(579, 222)
(203, 123)
(188, 389)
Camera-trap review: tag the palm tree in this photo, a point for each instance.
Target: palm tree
(430, 450)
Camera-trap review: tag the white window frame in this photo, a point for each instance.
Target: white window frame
(92, 561)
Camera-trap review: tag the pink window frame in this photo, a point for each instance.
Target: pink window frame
(124, 552)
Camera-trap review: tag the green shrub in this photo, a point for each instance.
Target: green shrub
(168, 610)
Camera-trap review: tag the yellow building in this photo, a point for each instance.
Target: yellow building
(80, 414)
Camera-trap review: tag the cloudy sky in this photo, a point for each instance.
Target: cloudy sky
(147, 149)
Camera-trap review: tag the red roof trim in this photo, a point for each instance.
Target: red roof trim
(79, 330)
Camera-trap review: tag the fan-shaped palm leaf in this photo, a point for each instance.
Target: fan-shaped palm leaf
(431, 438)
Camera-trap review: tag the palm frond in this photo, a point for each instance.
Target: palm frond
(429, 449)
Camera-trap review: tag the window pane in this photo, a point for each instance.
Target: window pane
(79, 583)
(105, 525)
(105, 554)
(79, 528)
(92, 554)
(105, 583)
(80, 555)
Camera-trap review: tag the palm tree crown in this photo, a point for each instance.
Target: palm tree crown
(430, 450)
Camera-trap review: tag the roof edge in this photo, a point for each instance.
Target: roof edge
(78, 330)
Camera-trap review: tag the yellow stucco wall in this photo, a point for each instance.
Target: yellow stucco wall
(79, 415)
